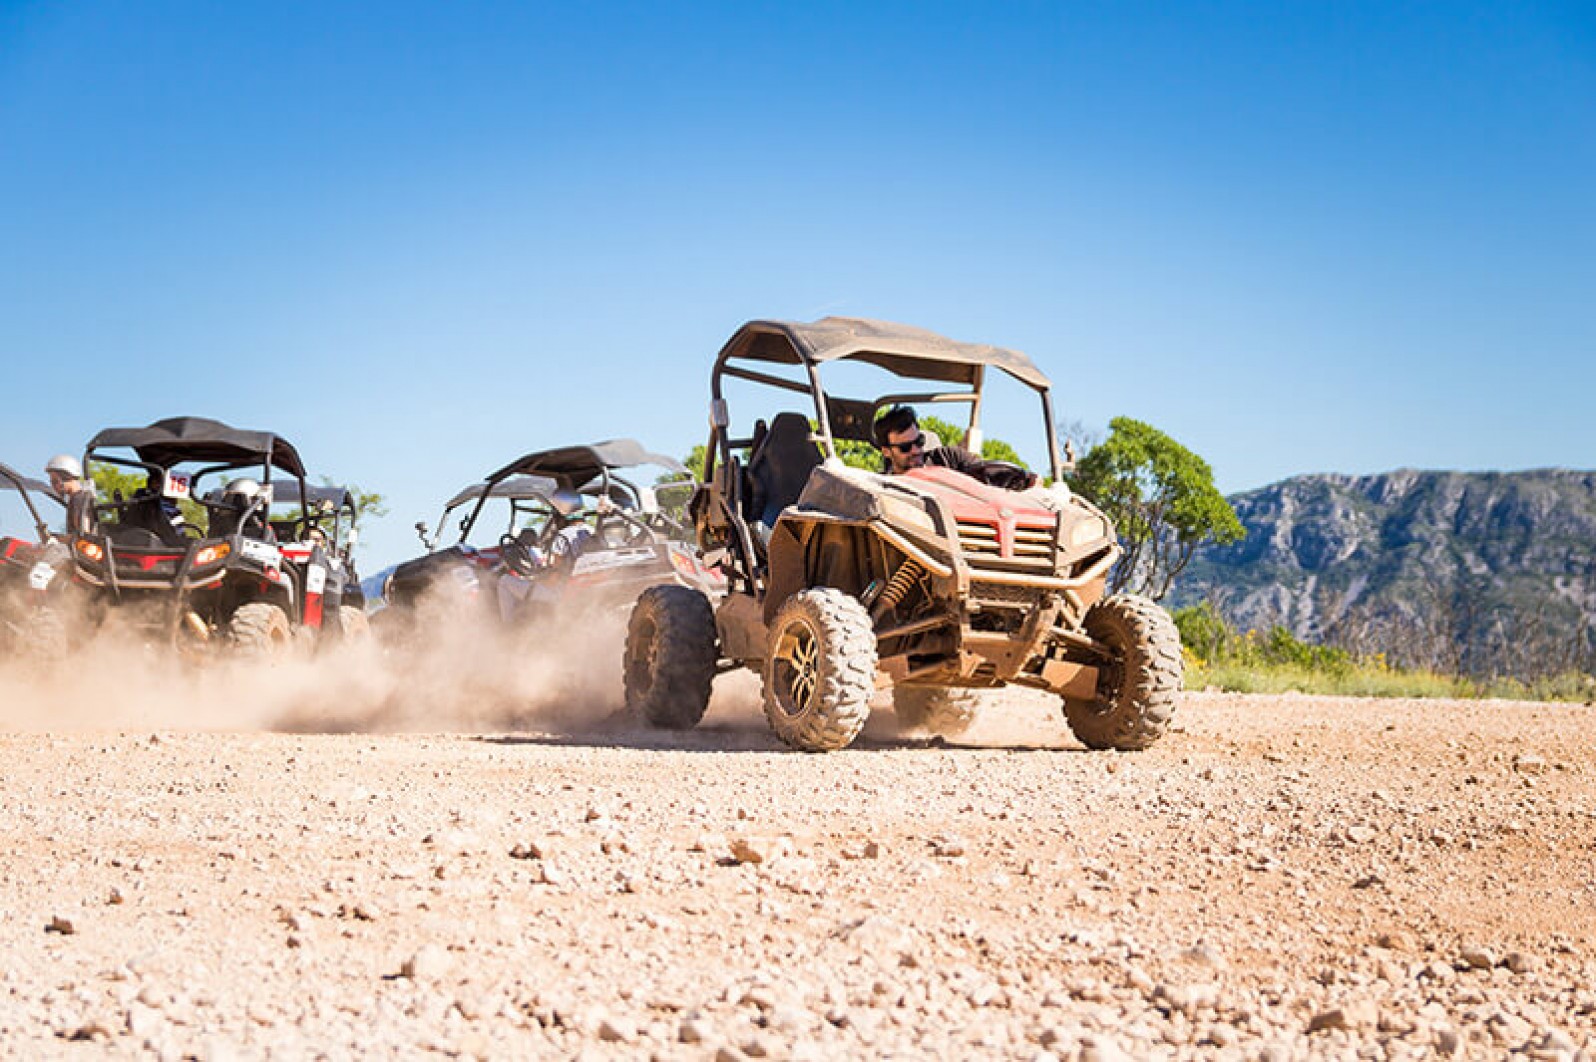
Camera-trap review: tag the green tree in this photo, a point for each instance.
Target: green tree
(952, 435)
(368, 503)
(1162, 500)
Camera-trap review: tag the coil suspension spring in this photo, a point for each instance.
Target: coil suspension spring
(899, 585)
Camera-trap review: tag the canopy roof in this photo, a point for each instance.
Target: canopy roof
(900, 349)
(176, 439)
(518, 487)
(574, 466)
(316, 493)
(11, 479)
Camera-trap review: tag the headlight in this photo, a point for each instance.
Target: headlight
(91, 550)
(1087, 531)
(211, 554)
(907, 513)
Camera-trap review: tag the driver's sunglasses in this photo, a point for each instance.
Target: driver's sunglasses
(916, 443)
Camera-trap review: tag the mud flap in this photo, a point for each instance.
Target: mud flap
(315, 585)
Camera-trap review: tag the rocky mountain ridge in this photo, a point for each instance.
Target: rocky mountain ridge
(1481, 572)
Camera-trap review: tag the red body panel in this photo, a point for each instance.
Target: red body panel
(971, 501)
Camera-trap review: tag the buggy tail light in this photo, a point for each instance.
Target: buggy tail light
(92, 550)
(211, 554)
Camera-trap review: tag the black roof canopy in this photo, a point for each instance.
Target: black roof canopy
(316, 493)
(11, 479)
(169, 442)
(901, 349)
(574, 466)
(520, 488)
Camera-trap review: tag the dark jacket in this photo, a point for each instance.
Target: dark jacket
(993, 473)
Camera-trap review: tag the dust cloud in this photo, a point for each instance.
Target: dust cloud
(448, 667)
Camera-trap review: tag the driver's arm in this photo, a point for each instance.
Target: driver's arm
(994, 473)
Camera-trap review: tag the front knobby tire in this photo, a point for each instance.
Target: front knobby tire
(670, 657)
(1136, 693)
(946, 711)
(820, 670)
(259, 629)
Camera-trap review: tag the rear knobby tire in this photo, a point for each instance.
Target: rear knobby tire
(1136, 693)
(46, 636)
(670, 657)
(820, 670)
(259, 629)
(947, 711)
(354, 627)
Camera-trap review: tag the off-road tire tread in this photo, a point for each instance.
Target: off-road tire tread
(847, 675)
(47, 637)
(945, 710)
(676, 695)
(1153, 673)
(250, 627)
(354, 627)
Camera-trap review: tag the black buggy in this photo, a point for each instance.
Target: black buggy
(567, 526)
(195, 554)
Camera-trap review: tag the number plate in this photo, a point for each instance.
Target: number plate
(176, 485)
(621, 558)
(41, 576)
(261, 552)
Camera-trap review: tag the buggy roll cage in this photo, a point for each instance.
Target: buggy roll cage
(903, 350)
(176, 440)
(322, 501)
(585, 469)
(10, 479)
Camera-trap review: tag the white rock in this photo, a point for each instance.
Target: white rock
(430, 962)
(617, 1030)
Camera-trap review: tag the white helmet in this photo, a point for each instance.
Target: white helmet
(65, 464)
(565, 501)
(241, 493)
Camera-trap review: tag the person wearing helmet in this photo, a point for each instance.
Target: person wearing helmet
(571, 534)
(241, 511)
(66, 477)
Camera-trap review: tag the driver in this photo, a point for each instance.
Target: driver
(242, 511)
(903, 447)
(66, 477)
(573, 534)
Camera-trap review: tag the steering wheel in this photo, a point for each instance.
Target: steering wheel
(191, 530)
(517, 556)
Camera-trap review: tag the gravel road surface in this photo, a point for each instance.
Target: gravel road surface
(1280, 878)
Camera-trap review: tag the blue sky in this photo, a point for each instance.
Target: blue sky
(420, 239)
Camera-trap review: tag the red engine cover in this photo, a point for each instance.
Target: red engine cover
(973, 502)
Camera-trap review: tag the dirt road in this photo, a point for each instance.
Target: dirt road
(1280, 878)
